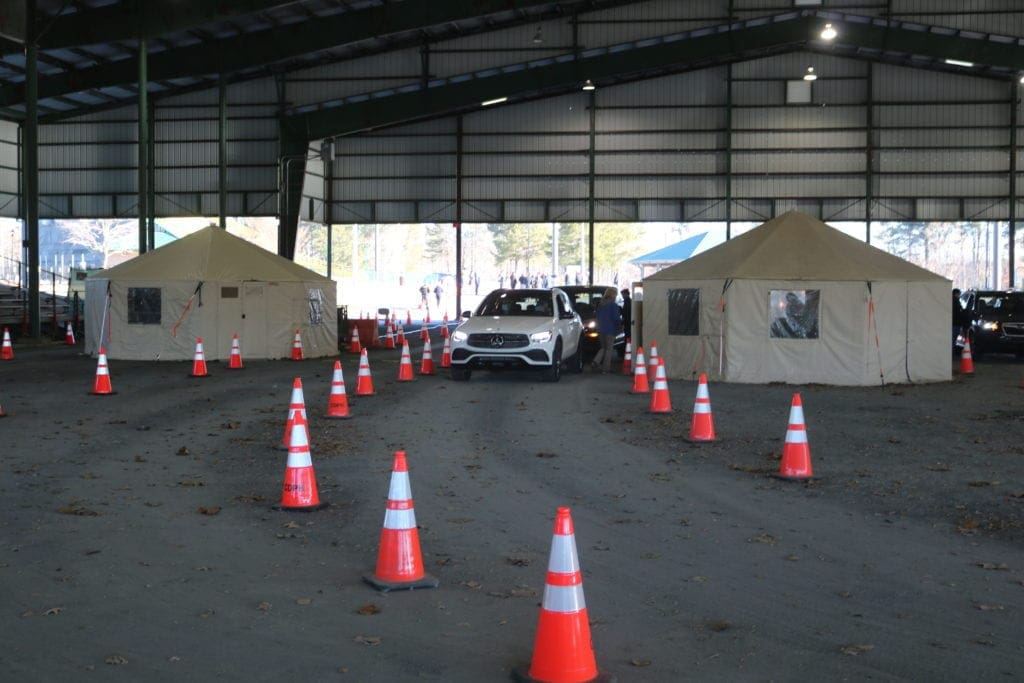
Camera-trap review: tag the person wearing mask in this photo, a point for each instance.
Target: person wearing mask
(609, 318)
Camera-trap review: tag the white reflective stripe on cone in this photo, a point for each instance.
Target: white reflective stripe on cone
(702, 407)
(563, 558)
(796, 434)
(399, 489)
(702, 392)
(796, 415)
(564, 598)
(399, 519)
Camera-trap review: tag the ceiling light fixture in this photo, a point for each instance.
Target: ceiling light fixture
(828, 33)
(496, 100)
(810, 75)
(959, 62)
(589, 85)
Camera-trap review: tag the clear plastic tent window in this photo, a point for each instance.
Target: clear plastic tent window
(316, 306)
(144, 305)
(684, 312)
(794, 313)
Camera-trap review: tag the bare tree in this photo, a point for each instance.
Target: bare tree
(103, 236)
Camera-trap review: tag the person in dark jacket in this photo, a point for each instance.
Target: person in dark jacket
(627, 313)
(609, 318)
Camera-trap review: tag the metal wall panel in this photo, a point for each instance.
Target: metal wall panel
(660, 188)
(649, 19)
(655, 163)
(362, 75)
(785, 140)
(798, 186)
(807, 162)
(663, 140)
(943, 185)
(522, 164)
(924, 161)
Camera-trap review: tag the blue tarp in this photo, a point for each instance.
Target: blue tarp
(673, 253)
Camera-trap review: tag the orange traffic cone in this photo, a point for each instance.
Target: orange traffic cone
(69, 335)
(102, 385)
(353, 342)
(399, 561)
(660, 400)
(562, 650)
(702, 426)
(297, 346)
(652, 362)
(405, 365)
(199, 361)
(296, 406)
(627, 359)
(640, 385)
(966, 359)
(444, 326)
(424, 332)
(235, 359)
(400, 340)
(389, 338)
(364, 382)
(796, 453)
(446, 353)
(427, 360)
(2, 413)
(7, 351)
(337, 402)
(408, 318)
(426, 321)
(299, 492)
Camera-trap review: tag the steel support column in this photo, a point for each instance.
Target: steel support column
(869, 154)
(222, 150)
(728, 152)
(1012, 214)
(590, 185)
(143, 145)
(327, 156)
(30, 169)
(291, 157)
(151, 174)
(458, 215)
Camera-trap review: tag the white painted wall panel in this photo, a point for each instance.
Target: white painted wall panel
(672, 162)
(825, 161)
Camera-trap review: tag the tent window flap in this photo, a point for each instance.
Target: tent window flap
(144, 305)
(316, 307)
(684, 312)
(794, 313)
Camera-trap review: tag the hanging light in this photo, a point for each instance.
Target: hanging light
(589, 85)
(496, 100)
(959, 62)
(810, 75)
(1022, 79)
(828, 33)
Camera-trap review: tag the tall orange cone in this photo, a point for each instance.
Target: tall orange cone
(69, 334)
(337, 402)
(299, 492)
(235, 359)
(353, 342)
(966, 359)
(446, 353)
(796, 453)
(296, 406)
(400, 339)
(364, 382)
(399, 561)
(627, 359)
(652, 362)
(427, 360)
(405, 365)
(640, 384)
(199, 361)
(297, 346)
(444, 326)
(389, 335)
(101, 387)
(702, 425)
(7, 350)
(661, 402)
(562, 650)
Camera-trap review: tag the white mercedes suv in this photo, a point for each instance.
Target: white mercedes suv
(519, 329)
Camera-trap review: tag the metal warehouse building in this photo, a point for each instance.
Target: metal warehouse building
(500, 111)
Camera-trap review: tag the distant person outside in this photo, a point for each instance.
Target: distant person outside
(424, 301)
(609, 318)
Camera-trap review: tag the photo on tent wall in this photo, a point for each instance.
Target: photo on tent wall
(794, 313)
(684, 312)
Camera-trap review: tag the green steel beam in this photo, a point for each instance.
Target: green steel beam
(143, 19)
(291, 172)
(270, 46)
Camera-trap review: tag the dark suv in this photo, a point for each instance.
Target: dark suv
(997, 320)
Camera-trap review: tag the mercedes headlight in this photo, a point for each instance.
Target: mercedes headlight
(541, 337)
(990, 326)
(459, 336)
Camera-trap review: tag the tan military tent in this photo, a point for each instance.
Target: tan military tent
(209, 284)
(797, 301)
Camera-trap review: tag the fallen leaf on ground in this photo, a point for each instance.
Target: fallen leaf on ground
(990, 608)
(717, 625)
(183, 451)
(543, 454)
(367, 640)
(212, 510)
(264, 606)
(52, 611)
(116, 660)
(368, 609)
(304, 601)
(78, 510)
(640, 662)
(980, 484)
(191, 482)
(519, 561)
(856, 649)
(991, 565)
(764, 538)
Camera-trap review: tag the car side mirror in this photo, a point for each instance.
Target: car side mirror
(466, 314)
(567, 315)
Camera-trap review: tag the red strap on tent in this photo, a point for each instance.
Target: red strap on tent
(184, 312)
(872, 321)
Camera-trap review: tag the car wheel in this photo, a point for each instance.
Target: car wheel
(461, 374)
(553, 373)
(575, 362)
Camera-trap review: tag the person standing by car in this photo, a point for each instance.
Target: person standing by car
(627, 313)
(608, 320)
(958, 316)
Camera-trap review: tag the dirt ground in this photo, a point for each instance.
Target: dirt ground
(137, 540)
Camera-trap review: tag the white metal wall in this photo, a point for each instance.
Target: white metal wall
(9, 165)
